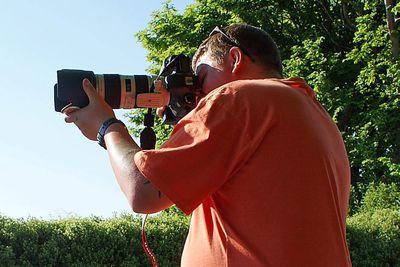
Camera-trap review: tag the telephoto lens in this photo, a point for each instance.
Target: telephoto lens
(119, 91)
(176, 87)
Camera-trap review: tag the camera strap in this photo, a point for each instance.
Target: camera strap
(145, 244)
(148, 141)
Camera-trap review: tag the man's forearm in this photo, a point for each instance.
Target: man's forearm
(141, 194)
(121, 150)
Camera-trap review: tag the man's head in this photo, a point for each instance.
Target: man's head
(239, 52)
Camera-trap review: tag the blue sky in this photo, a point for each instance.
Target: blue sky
(47, 168)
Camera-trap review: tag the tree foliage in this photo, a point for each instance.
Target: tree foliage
(342, 48)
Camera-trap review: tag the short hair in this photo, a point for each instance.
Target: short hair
(258, 43)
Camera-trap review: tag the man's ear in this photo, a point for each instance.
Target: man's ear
(235, 59)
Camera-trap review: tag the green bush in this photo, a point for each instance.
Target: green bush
(381, 196)
(373, 238)
(376, 196)
(91, 241)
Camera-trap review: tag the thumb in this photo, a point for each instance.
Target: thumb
(160, 111)
(89, 89)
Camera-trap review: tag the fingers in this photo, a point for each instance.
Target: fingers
(70, 114)
(71, 117)
(69, 110)
(89, 89)
(160, 112)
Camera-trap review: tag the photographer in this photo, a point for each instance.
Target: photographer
(258, 163)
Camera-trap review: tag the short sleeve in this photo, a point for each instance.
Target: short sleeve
(206, 148)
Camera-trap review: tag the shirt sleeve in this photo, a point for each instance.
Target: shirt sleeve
(205, 149)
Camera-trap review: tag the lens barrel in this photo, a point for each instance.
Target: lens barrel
(112, 86)
(119, 91)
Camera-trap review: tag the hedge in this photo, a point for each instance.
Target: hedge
(373, 237)
(373, 233)
(91, 241)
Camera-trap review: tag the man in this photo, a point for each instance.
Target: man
(258, 163)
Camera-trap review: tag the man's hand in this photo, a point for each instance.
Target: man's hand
(90, 118)
(160, 111)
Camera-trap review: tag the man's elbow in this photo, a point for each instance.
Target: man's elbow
(138, 205)
(134, 193)
(144, 198)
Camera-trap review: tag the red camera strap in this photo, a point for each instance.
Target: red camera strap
(145, 245)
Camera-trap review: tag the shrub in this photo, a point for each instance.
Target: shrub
(374, 238)
(381, 196)
(91, 241)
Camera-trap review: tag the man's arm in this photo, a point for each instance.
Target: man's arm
(140, 192)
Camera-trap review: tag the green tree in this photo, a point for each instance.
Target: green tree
(344, 49)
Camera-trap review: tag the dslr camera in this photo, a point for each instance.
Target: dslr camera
(175, 87)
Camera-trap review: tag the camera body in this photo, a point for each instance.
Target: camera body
(175, 87)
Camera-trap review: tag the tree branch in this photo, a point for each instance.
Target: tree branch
(326, 11)
(344, 120)
(394, 38)
(345, 16)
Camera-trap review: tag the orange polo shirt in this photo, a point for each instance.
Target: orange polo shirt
(263, 170)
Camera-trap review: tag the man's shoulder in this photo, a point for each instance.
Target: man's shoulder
(241, 95)
(252, 88)
(268, 85)
(257, 95)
